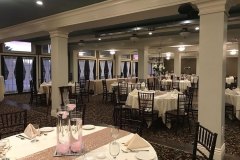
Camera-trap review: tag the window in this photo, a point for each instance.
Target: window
(46, 48)
(87, 69)
(46, 70)
(17, 46)
(28, 63)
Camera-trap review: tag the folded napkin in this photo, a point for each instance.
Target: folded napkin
(70, 83)
(136, 142)
(44, 83)
(143, 84)
(71, 106)
(31, 132)
(228, 91)
(135, 91)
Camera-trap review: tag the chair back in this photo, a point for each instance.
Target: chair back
(77, 87)
(33, 88)
(207, 139)
(123, 91)
(104, 84)
(12, 123)
(175, 85)
(65, 92)
(182, 103)
(131, 120)
(146, 101)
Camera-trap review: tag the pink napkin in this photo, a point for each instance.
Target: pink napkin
(31, 132)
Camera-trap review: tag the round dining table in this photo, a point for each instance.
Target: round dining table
(96, 142)
(163, 101)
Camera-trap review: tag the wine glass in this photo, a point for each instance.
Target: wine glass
(114, 131)
(36, 126)
(114, 149)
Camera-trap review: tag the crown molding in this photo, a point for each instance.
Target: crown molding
(214, 6)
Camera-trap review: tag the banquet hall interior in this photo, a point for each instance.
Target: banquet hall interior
(165, 65)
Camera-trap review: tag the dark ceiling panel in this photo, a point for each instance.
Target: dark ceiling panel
(13, 12)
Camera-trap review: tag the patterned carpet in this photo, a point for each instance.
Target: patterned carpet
(167, 143)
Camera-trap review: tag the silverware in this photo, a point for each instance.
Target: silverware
(23, 137)
(131, 150)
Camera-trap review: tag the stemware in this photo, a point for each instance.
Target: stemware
(114, 149)
(36, 126)
(114, 132)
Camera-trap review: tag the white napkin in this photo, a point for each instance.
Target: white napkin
(136, 142)
(31, 132)
(135, 91)
(143, 84)
(228, 91)
(44, 83)
(70, 83)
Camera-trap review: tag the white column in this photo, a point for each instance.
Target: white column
(177, 64)
(197, 65)
(238, 75)
(117, 64)
(212, 71)
(75, 65)
(59, 57)
(143, 63)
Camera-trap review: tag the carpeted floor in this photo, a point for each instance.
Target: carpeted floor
(167, 143)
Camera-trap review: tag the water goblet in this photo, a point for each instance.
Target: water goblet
(114, 131)
(114, 149)
(5, 146)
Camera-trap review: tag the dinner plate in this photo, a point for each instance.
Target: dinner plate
(145, 155)
(46, 129)
(88, 127)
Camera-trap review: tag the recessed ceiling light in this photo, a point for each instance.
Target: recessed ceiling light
(99, 39)
(167, 58)
(196, 28)
(181, 48)
(39, 2)
(150, 33)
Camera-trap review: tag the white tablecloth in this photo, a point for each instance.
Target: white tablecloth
(165, 102)
(1, 88)
(22, 148)
(233, 98)
(47, 85)
(183, 84)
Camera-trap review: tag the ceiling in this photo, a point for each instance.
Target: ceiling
(14, 12)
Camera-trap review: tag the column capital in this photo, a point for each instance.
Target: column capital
(58, 33)
(214, 6)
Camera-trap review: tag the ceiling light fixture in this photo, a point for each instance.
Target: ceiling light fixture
(39, 2)
(99, 39)
(112, 52)
(168, 58)
(181, 48)
(233, 52)
(150, 33)
(196, 28)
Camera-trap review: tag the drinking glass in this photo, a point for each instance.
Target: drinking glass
(114, 149)
(114, 131)
(36, 126)
(4, 146)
